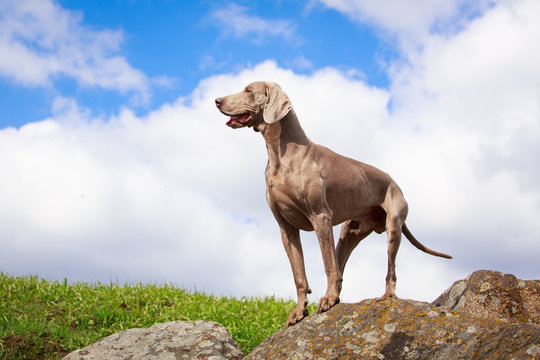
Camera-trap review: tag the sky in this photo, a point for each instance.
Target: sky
(115, 165)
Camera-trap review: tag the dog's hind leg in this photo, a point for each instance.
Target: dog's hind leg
(396, 213)
(393, 230)
(350, 236)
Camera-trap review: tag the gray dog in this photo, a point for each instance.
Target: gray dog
(309, 187)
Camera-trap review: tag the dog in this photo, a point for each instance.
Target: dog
(310, 187)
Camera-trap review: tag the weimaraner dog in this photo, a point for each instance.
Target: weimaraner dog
(309, 187)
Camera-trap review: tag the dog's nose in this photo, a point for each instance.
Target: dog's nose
(219, 101)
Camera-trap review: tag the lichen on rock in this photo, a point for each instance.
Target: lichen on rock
(491, 294)
(399, 329)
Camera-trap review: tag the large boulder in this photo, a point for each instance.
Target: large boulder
(400, 329)
(173, 340)
(491, 294)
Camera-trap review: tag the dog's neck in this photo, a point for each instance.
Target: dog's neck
(282, 136)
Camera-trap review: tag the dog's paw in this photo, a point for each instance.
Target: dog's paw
(327, 302)
(296, 316)
(389, 295)
(390, 290)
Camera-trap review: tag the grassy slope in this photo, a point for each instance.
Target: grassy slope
(41, 319)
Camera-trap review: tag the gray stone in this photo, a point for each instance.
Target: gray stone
(491, 294)
(173, 340)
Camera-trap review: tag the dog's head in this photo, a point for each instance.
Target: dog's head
(259, 102)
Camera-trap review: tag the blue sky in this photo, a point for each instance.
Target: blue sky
(116, 165)
(178, 43)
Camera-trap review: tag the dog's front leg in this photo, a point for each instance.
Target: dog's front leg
(291, 241)
(323, 228)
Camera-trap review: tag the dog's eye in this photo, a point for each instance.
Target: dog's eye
(248, 90)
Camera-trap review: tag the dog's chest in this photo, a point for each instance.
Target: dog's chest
(287, 197)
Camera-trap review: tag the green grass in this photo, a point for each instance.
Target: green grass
(42, 319)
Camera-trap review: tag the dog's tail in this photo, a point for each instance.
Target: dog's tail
(419, 245)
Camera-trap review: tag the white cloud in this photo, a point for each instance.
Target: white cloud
(236, 21)
(177, 196)
(410, 20)
(479, 92)
(45, 41)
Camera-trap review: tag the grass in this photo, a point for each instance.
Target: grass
(42, 319)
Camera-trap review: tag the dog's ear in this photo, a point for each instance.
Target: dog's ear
(277, 104)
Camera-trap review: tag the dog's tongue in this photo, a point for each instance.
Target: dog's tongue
(232, 123)
(238, 121)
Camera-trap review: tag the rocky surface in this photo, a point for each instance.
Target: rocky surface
(400, 329)
(488, 315)
(174, 340)
(491, 294)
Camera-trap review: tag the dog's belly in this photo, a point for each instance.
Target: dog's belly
(297, 208)
(371, 217)
(352, 205)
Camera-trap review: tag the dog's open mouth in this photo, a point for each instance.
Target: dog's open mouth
(239, 121)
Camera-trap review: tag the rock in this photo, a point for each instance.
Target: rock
(488, 315)
(400, 329)
(491, 294)
(174, 340)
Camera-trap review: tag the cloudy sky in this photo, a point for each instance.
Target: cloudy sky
(116, 166)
